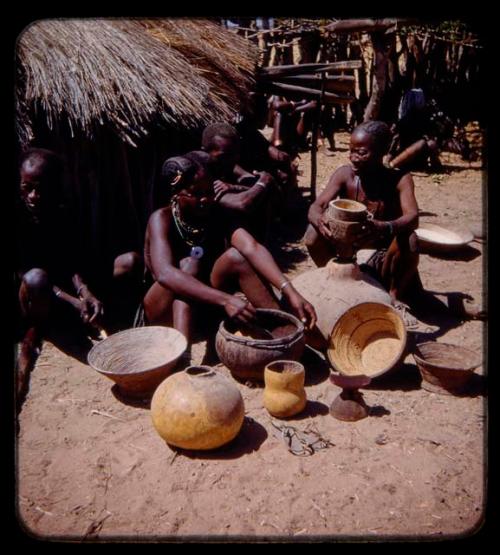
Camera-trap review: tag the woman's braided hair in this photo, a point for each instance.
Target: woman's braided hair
(178, 172)
(380, 132)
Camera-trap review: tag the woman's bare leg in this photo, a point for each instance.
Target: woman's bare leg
(400, 266)
(163, 309)
(320, 250)
(233, 265)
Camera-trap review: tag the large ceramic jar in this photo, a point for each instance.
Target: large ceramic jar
(197, 409)
(334, 289)
(284, 393)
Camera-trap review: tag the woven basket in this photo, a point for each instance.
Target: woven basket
(445, 367)
(138, 359)
(368, 339)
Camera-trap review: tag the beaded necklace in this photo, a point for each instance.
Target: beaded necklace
(193, 236)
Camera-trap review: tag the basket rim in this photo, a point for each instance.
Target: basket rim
(267, 342)
(425, 362)
(401, 351)
(95, 349)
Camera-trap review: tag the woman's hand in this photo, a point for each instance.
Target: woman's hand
(240, 309)
(302, 308)
(372, 230)
(323, 227)
(221, 188)
(91, 309)
(264, 177)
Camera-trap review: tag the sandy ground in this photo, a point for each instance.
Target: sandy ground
(90, 466)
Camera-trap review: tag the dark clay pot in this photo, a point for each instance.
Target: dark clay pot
(246, 357)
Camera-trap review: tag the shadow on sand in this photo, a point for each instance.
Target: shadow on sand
(251, 436)
(378, 411)
(136, 402)
(316, 366)
(444, 315)
(71, 338)
(312, 409)
(405, 378)
(465, 254)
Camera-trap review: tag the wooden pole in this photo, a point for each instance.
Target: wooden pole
(307, 68)
(337, 83)
(314, 145)
(368, 25)
(372, 111)
(305, 92)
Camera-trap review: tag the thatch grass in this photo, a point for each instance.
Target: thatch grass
(221, 56)
(130, 73)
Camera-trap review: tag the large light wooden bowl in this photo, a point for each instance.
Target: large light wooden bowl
(435, 238)
(368, 339)
(138, 359)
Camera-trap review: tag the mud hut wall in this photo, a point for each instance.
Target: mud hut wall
(101, 191)
(108, 187)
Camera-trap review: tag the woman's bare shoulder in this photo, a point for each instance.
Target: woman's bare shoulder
(163, 214)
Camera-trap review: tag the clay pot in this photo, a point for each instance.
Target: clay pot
(349, 404)
(346, 219)
(347, 210)
(284, 393)
(247, 356)
(332, 290)
(445, 368)
(198, 409)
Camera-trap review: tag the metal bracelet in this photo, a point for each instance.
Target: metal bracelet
(284, 284)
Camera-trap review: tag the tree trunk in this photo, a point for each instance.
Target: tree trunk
(372, 111)
(263, 49)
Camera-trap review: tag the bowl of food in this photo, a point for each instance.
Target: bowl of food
(138, 359)
(444, 367)
(369, 339)
(435, 238)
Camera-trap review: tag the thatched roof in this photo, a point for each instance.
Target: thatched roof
(130, 73)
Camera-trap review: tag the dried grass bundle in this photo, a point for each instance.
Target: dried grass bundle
(116, 72)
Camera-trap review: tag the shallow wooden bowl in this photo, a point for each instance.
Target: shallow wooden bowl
(435, 238)
(138, 359)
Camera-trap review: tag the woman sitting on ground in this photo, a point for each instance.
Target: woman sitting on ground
(194, 257)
